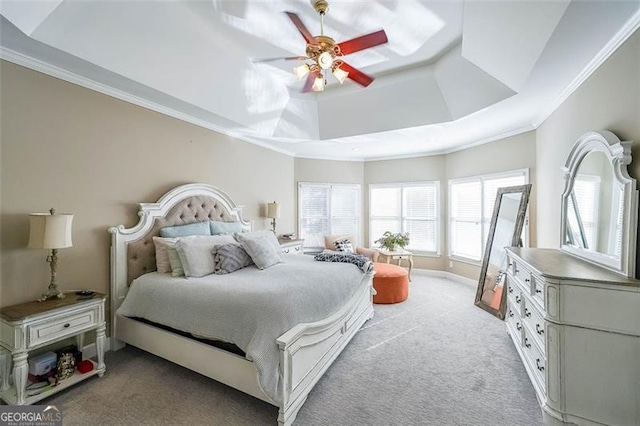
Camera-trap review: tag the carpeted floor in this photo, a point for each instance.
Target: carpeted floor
(435, 359)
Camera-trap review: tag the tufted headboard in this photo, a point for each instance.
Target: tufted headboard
(132, 250)
(141, 253)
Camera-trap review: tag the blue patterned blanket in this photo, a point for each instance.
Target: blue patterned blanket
(362, 262)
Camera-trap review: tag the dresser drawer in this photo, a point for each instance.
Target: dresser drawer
(514, 324)
(532, 319)
(515, 298)
(535, 359)
(48, 331)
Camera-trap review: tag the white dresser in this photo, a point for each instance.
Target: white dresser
(576, 327)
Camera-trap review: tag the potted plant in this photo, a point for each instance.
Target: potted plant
(391, 241)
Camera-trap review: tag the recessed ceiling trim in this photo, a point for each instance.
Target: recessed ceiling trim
(70, 77)
(616, 41)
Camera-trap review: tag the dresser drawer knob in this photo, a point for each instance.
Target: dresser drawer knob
(527, 313)
(527, 280)
(540, 367)
(526, 343)
(538, 291)
(516, 270)
(510, 289)
(518, 299)
(539, 330)
(510, 313)
(67, 325)
(518, 326)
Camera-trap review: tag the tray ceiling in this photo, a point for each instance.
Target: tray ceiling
(453, 74)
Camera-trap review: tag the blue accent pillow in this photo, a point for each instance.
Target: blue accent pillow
(198, 228)
(218, 227)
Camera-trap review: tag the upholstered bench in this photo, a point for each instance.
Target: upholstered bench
(391, 283)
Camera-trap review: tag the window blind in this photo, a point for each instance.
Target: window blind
(326, 209)
(472, 201)
(406, 207)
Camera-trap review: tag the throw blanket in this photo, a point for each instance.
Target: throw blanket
(249, 307)
(362, 262)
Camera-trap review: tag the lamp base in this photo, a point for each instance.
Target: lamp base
(51, 293)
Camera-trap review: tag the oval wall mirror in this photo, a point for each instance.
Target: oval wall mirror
(600, 203)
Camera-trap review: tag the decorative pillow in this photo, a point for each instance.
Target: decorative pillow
(195, 253)
(343, 246)
(330, 239)
(174, 259)
(228, 258)
(218, 227)
(198, 228)
(162, 255)
(262, 251)
(257, 234)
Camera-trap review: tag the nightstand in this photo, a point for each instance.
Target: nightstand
(34, 325)
(291, 246)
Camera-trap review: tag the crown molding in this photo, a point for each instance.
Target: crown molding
(620, 37)
(62, 74)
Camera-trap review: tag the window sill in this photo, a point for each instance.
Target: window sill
(465, 260)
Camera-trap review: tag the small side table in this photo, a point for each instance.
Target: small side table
(32, 325)
(399, 255)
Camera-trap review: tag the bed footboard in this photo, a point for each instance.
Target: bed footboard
(307, 350)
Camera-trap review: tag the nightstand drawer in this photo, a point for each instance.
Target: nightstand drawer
(57, 328)
(292, 249)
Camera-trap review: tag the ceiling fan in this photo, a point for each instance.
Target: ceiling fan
(324, 55)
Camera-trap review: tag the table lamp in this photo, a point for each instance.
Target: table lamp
(50, 231)
(273, 212)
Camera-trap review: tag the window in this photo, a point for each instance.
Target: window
(587, 194)
(406, 207)
(471, 203)
(325, 209)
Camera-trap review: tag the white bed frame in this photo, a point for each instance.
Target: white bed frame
(306, 351)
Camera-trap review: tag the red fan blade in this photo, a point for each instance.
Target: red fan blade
(310, 79)
(357, 75)
(289, 58)
(300, 26)
(363, 42)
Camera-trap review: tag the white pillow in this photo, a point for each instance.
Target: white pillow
(195, 253)
(262, 251)
(269, 235)
(162, 254)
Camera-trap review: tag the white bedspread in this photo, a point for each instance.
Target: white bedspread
(249, 307)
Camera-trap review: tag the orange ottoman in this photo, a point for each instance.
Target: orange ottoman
(391, 283)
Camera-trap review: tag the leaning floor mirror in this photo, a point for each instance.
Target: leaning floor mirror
(506, 230)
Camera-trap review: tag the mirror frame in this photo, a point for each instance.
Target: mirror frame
(619, 155)
(525, 190)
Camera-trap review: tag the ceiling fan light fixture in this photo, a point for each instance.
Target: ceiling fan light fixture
(318, 84)
(325, 60)
(340, 74)
(301, 71)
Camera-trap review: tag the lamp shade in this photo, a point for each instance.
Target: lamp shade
(273, 210)
(50, 231)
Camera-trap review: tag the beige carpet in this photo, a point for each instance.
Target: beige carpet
(433, 360)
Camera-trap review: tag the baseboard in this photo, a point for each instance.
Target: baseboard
(89, 351)
(445, 274)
